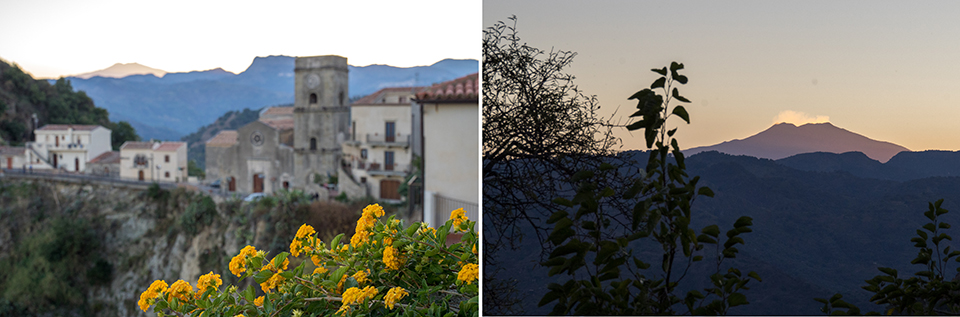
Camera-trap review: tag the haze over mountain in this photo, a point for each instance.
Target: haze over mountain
(785, 139)
(120, 70)
(176, 104)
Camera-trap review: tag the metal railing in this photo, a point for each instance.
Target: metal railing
(445, 205)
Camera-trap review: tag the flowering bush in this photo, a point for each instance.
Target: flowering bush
(385, 269)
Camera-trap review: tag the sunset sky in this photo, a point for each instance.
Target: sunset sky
(889, 70)
(59, 37)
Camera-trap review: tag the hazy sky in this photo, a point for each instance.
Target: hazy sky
(889, 70)
(64, 37)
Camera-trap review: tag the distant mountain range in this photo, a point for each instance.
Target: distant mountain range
(176, 104)
(784, 139)
(120, 70)
(822, 224)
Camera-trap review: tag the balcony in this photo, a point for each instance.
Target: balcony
(378, 169)
(398, 140)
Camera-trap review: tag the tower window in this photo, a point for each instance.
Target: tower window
(341, 98)
(313, 99)
(313, 144)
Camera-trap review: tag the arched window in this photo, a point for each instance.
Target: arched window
(313, 144)
(313, 99)
(341, 99)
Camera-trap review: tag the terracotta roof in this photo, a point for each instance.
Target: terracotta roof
(130, 145)
(170, 146)
(12, 150)
(224, 139)
(279, 124)
(65, 127)
(278, 111)
(111, 157)
(377, 96)
(462, 89)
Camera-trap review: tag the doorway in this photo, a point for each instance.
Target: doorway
(140, 175)
(257, 183)
(389, 189)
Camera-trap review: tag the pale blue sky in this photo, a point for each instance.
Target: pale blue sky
(889, 70)
(49, 38)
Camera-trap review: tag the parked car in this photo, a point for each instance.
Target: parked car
(253, 197)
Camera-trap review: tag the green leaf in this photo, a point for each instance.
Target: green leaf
(677, 96)
(737, 299)
(581, 175)
(658, 83)
(705, 191)
(556, 216)
(755, 276)
(888, 271)
(681, 79)
(682, 113)
(336, 240)
(930, 227)
(711, 230)
(563, 202)
(743, 222)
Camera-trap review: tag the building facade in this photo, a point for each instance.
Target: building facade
(67, 147)
(154, 161)
(377, 153)
(12, 157)
(449, 137)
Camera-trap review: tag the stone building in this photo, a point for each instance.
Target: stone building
(288, 147)
(321, 115)
(447, 133)
(377, 153)
(106, 165)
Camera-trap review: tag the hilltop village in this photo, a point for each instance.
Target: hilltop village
(418, 145)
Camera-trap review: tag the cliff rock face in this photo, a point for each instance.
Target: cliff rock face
(142, 235)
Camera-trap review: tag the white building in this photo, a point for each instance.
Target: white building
(12, 157)
(67, 147)
(377, 153)
(448, 114)
(154, 161)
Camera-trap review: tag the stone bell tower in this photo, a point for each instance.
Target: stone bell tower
(321, 116)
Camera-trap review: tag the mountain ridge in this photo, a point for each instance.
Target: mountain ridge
(783, 140)
(171, 106)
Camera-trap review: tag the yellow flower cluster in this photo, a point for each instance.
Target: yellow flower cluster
(394, 295)
(152, 292)
(391, 258)
(458, 218)
(208, 281)
(366, 222)
(469, 273)
(271, 283)
(320, 270)
(361, 276)
(356, 295)
(238, 263)
(181, 290)
(258, 301)
(296, 246)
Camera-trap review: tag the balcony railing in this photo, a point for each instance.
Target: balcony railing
(378, 168)
(388, 140)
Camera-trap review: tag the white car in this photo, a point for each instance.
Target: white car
(253, 197)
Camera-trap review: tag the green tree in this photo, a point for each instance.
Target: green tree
(617, 280)
(194, 170)
(121, 132)
(928, 292)
(538, 130)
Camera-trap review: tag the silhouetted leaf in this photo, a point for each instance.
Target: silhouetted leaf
(682, 113)
(658, 83)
